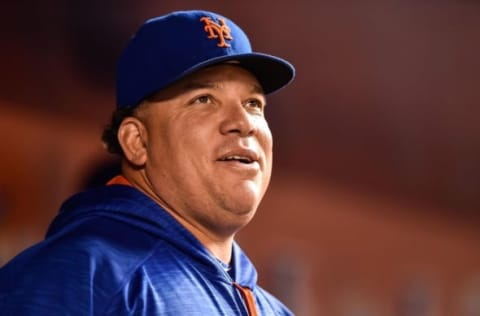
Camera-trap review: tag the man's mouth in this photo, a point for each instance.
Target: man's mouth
(242, 159)
(243, 156)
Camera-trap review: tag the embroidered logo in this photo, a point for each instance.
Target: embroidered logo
(217, 30)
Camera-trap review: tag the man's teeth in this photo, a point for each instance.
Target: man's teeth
(239, 158)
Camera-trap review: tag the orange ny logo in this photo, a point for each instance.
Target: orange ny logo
(220, 31)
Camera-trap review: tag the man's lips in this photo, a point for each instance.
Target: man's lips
(244, 156)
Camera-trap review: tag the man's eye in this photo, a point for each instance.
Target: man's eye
(203, 99)
(255, 104)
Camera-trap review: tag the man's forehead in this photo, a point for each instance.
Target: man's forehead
(211, 78)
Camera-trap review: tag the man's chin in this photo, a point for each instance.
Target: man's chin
(245, 198)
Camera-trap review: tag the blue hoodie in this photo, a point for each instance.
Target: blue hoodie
(114, 251)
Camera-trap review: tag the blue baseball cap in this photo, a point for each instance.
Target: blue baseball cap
(167, 48)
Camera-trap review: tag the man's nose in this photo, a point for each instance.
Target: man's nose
(236, 119)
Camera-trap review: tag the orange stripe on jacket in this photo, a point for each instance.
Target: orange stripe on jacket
(248, 298)
(120, 179)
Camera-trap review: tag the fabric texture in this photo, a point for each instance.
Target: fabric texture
(114, 251)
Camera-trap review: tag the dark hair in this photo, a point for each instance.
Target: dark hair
(109, 136)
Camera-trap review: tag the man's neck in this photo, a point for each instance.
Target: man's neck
(220, 246)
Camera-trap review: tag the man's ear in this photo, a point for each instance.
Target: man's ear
(132, 137)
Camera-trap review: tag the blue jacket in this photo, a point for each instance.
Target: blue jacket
(114, 251)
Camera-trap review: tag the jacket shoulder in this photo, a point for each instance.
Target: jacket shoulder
(75, 271)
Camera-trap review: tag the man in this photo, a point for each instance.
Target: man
(197, 157)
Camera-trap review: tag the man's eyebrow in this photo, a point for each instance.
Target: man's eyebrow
(257, 89)
(196, 85)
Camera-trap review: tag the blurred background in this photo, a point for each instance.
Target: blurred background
(374, 204)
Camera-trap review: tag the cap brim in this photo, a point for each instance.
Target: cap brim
(273, 73)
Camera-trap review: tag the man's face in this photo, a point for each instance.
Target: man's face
(209, 147)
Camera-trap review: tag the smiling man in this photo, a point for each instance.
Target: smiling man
(202, 149)
(196, 161)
